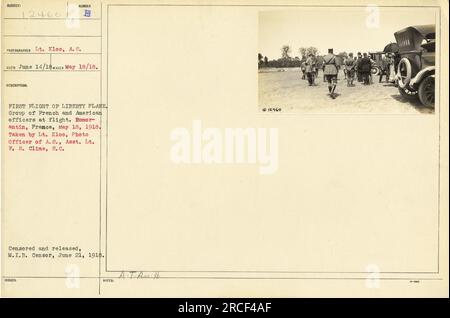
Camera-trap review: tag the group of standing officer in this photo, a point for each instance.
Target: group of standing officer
(388, 65)
(310, 69)
(359, 66)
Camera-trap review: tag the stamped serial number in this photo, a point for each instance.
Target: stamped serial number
(272, 109)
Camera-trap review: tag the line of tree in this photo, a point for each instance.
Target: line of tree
(286, 60)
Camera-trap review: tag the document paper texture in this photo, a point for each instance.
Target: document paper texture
(147, 152)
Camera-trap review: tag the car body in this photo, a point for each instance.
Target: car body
(416, 68)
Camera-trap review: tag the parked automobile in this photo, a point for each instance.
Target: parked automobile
(376, 57)
(416, 69)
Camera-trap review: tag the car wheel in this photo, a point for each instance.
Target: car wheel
(407, 94)
(426, 91)
(375, 70)
(405, 72)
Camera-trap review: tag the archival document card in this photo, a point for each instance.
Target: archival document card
(224, 148)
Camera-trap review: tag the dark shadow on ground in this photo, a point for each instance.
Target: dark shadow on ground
(336, 95)
(414, 103)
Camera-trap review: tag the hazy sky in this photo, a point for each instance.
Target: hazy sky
(343, 29)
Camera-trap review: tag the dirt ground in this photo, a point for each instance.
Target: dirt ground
(284, 88)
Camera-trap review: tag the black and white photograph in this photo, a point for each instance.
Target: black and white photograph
(367, 59)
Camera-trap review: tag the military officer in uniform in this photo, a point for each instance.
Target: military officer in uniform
(365, 66)
(303, 69)
(350, 65)
(310, 69)
(330, 72)
(358, 67)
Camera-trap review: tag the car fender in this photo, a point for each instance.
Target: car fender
(427, 71)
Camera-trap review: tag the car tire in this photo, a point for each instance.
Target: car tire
(375, 70)
(404, 78)
(426, 91)
(407, 94)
